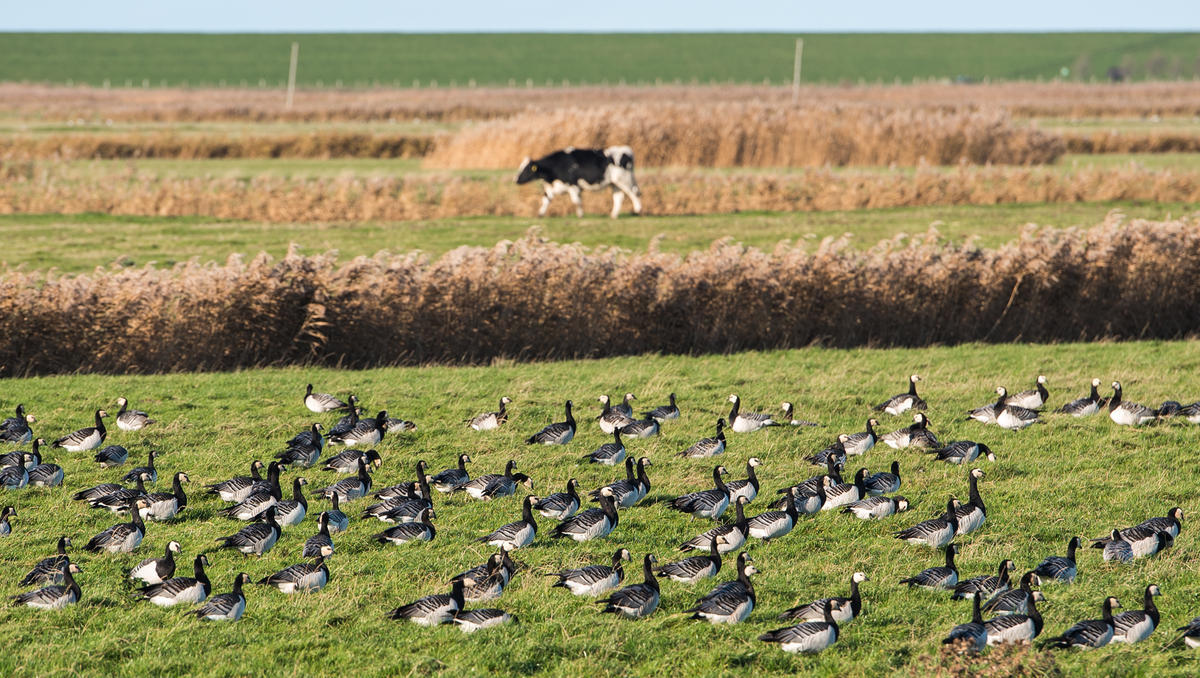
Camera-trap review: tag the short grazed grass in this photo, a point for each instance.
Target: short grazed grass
(77, 243)
(1065, 477)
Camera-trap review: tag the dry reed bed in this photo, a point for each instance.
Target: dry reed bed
(540, 300)
(753, 135)
(1128, 142)
(47, 187)
(255, 105)
(107, 146)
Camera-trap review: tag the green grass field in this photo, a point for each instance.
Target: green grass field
(1066, 477)
(397, 60)
(79, 243)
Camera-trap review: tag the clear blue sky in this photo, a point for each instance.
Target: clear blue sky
(598, 15)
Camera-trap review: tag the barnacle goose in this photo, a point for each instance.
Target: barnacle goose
(810, 485)
(366, 432)
(789, 415)
(899, 404)
(844, 609)
(435, 609)
(592, 580)
(707, 447)
(226, 606)
(936, 532)
(406, 490)
(973, 634)
(731, 604)
(321, 402)
(290, 512)
(348, 421)
(395, 425)
(806, 637)
(347, 461)
(746, 487)
(119, 500)
(421, 529)
(349, 489)
(1191, 413)
(1170, 523)
(1015, 628)
(728, 537)
(559, 433)
(450, 479)
(302, 577)
(693, 569)
(626, 406)
(489, 579)
(1084, 407)
(611, 418)
(238, 488)
(590, 524)
(884, 482)
(1191, 633)
(773, 524)
(100, 491)
(16, 429)
(1015, 601)
(641, 428)
(85, 438)
(1135, 625)
(157, 570)
(805, 503)
(744, 569)
(149, 469)
(962, 452)
(1120, 549)
(1126, 413)
(54, 597)
(1091, 633)
(113, 455)
(608, 454)
(625, 492)
(560, 505)
(49, 570)
(860, 443)
(255, 538)
(1034, 398)
(1011, 417)
(14, 477)
(873, 508)
(663, 412)
(122, 537)
(916, 434)
(314, 545)
(338, 520)
(971, 515)
(263, 496)
(834, 454)
(470, 621)
(307, 453)
(638, 600)
(516, 534)
(747, 422)
(177, 590)
(846, 493)
(490, 421)
(987, 586)
(131, 420)
(43, 474)
(475, 487)
(166, 505)
(706, 503)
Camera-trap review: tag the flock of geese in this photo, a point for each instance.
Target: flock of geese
(406, 512)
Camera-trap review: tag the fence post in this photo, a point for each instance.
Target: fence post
(291, 87)
(796, 70)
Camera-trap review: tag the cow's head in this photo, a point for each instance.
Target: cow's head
(528, 171)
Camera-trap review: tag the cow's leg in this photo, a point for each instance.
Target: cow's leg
(618, 198)
(629, 189)
(574, 192)
(549, 191)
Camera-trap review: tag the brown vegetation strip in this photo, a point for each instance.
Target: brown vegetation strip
(255, 105)
(1126, 142)
(753, 135)
(46, 187)
(538, 300)
(207, 146)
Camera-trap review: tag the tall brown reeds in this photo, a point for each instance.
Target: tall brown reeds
(50, 187)
(324, 144)
(265, 105)
(533, 299)
(753, 135)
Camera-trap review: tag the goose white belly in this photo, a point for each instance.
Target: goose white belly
(739, 614)
(234, 613)
(1125, 416)
(1007, 420)
(594, 588)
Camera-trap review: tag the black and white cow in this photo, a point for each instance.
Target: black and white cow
(572, 169)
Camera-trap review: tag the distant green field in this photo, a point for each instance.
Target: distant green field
(360, 60)
(79, 243)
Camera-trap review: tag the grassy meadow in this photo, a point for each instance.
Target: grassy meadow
(80, 243)
(364, 60)
(1062, 478)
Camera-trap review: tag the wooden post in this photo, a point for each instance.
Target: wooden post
(291, 86)
(796, 70)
